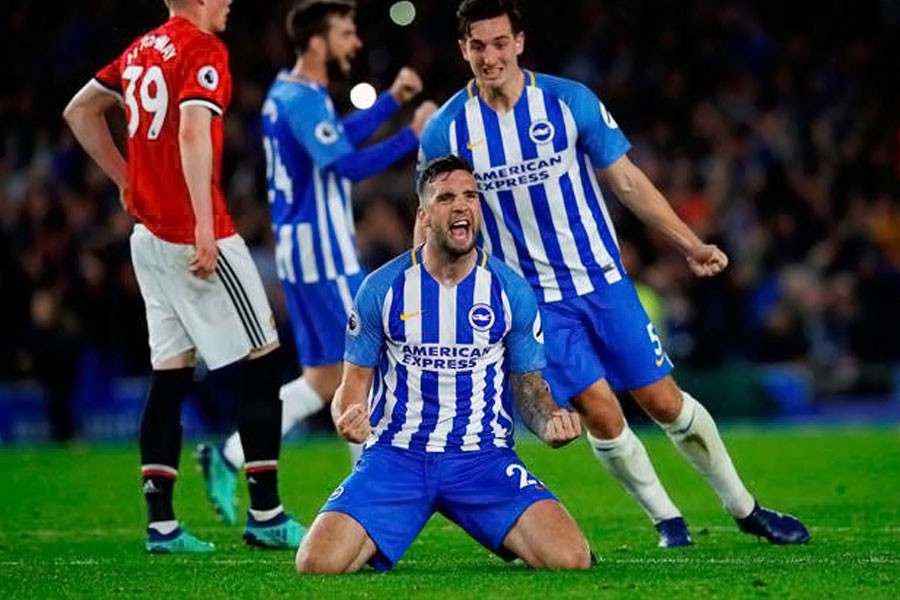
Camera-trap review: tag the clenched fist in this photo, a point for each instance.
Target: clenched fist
(407, 85)
(706, 259)
(562, 427)
(353, 425)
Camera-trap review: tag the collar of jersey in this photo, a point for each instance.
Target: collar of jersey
(472, 88)
(416, 255)
(285, 75)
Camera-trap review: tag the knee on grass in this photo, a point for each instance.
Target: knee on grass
(310, 561)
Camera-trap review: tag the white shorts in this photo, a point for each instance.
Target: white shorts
(223, 317)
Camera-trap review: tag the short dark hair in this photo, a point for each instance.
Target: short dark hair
(470, 11)
(309, 18)
(437, 167)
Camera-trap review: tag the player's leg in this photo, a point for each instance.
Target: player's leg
(172, 358)
(623, 455)
(372, 516)
(546, 537)
(576, 373)
(336, 543)
(160, 443)
(496, 500)
(318, 314)
(300, 398)
(259, 424)
(229, 318)
(693, 431)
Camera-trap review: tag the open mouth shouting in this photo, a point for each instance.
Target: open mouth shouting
(460, 230)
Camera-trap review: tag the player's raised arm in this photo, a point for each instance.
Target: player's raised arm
(349, 409)
(555, 426)
(635, 190)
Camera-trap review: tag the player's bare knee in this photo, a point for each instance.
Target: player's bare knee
(662, 400)
(324, 380)
(316, 561)
(600, 411)
(602, 423)
(568, 557)
(574, 558)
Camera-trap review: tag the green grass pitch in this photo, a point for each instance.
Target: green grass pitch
(72, 525)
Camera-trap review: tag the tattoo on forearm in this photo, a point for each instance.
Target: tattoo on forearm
(532, 398)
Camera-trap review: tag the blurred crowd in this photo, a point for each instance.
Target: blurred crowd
(772, 130)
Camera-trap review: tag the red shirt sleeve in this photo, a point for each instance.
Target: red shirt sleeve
(206, 79)
(110, 77)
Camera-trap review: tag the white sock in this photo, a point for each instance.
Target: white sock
(355, 453)
(626, 459)
(695, 435)
(233, 451)
(164, 527)
(298, 401)
(265, 515)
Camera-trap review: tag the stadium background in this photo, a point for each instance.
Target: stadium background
(773, 132)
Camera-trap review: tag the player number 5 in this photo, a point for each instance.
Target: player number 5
(657, 343)
(154, 98)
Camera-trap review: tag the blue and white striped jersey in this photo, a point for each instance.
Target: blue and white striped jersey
(544, 213)
(442, 355)
(312, 217)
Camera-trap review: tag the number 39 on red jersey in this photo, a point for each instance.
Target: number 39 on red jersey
(161, 72)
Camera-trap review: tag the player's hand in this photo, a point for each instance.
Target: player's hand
(562, 427)
(206, 253)
(407, 85)
(421, 116)
(706, 260)
(353, 424)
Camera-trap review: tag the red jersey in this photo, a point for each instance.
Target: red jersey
(174, 65)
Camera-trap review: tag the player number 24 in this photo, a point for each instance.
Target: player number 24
(153, 95)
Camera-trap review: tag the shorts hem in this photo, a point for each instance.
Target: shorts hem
(627, 387)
